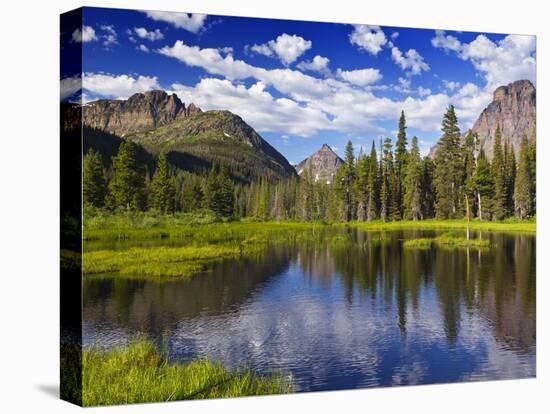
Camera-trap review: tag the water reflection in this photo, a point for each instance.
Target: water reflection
(359, 313)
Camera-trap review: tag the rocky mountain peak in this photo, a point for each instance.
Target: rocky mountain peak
(140, 112)
(513, 108)
(322, 165)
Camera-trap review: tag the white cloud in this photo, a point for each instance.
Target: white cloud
(256, 105)
(117, 86)
(190, 22)
(369, 38)
(451, 85)
(87, 34)
(411, 62)
(69, 86)
(143, 48)
(447, 42)
(394, 35)
(109, 35)
(360, 77)
(317, 64)
(286, 47)
(423, 91)
(501, 62)
(263, 49)
(152, 35)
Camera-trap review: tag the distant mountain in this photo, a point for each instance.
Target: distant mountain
(140, 112)
(322, 165)
(514, 109)
(192, 139)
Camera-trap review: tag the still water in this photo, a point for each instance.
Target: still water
(365, 314)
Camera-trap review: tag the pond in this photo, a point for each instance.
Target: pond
(340, 315)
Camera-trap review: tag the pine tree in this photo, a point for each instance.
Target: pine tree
(372, 185)
(428, 190)
(500, 199)
(483, 186)
(227, 193)
(93, 182)
(346, 182)
(127, 187)
(413, 184)
(162, 190)
(522, 192)
(448, 167)
(471, 142)
(386, 181)
(361, 185)
(510, 177)
(400, 164)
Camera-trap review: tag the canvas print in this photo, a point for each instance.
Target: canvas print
(257, 206)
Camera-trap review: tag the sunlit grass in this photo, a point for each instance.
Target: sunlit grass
(424, 243)
(138, 373)
(446, 241)
(510, 225)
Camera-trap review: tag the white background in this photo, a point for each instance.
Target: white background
(29, 181)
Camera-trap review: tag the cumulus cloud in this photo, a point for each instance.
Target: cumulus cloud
(368, 38)
(411, 61)
(87, 34)
(152, 35)
(451, 85)
(501, 62)
(70, 86)
(317, 64)
(190, 22)
(109, 35)
(360, 77)
(286, 47)
(143, 48)
(117, 86)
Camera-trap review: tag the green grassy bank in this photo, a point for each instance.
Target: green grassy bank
(139, 373)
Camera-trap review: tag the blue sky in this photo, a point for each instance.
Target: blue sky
(299, 84)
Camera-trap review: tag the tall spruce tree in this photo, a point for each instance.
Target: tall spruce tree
(413, 183)
(522, 192)
(93, 182)
(483, 186)
(428, 189)
(469, 151)
(227, 193)
(372, 185)
(127, 187)
(347, 180)
(448, 167)
(386, 180)
(162, 189)
(400, 164)
(500, 199)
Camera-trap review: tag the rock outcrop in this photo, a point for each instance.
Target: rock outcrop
(322, 165)
(514, 109)
(140, 112)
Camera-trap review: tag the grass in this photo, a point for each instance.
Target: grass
(510, 225)
(446, 241)
(138, 373)
(160, 261)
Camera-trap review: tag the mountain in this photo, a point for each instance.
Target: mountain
(192, 139)
(322, 165)
(140, 112)
(513, 108)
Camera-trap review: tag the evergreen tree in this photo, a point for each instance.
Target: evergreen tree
(533, 170)
(386, 181)
(93, 182)
(448, 167)
(162, 189)
(413, 184)
(127, 187)
(227, 194)
(500, 199)
(346, 180)
(509, 176)
(400, 164)
(428, 190)
(471, 142)
(361, 185)
(483, 187)
(522, 192)
(372, 185)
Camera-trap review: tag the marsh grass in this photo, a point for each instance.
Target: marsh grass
(509, 225)
(447, 241)
(138, 373)
(424, 243)
(161, 261)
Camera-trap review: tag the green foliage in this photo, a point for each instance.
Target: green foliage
(448, 176)
(162, 190)
(127, 187)
(522, 192)
(413, 184)
(138, 373)
(220, 192)
(500, 199)
(93, 181)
